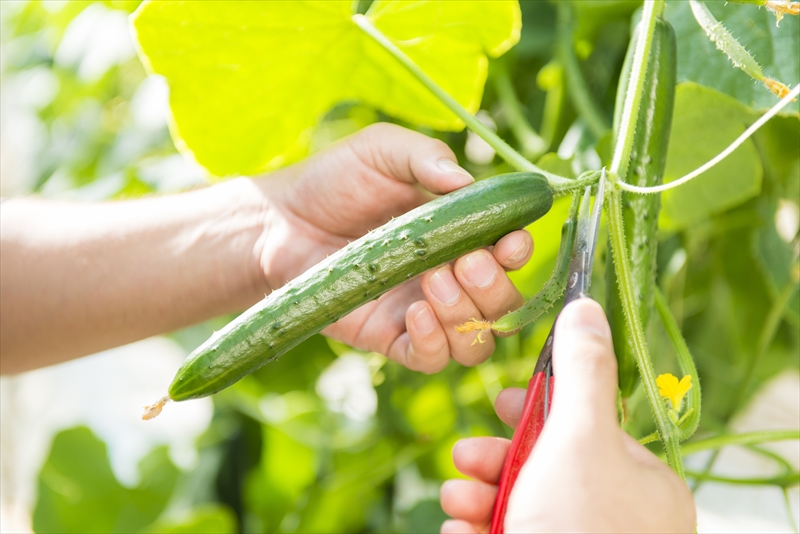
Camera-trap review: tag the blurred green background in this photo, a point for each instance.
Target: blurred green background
(329, 439)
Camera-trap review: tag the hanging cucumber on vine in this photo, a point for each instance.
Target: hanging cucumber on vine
(648, 160)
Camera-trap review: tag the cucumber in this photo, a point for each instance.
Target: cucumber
(640, 212)
(431, 235)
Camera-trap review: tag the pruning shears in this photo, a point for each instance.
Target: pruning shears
(540, 386)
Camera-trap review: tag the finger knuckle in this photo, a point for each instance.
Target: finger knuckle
(477, 353)
(439, 146)
(377, 129)
(434, 366)
(429, 362)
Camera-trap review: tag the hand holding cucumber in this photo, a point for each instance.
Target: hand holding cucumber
(342, 193)
(81, 277)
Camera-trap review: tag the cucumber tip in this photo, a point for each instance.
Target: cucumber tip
(152, 411)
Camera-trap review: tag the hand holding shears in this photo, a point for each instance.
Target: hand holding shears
(540, 387)
(587, 475)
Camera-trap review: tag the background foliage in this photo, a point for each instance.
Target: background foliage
(286, 451)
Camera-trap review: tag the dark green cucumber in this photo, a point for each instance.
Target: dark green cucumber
(640, 212)
(431, 235)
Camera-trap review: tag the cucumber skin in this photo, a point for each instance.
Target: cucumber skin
(426, 237)
(640, 212)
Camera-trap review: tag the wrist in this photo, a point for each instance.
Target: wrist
(242, 222)
(282, 251)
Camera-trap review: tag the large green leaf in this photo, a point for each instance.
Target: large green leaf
(774, 48)
(704, 123)
(79, 493)
(249, 80)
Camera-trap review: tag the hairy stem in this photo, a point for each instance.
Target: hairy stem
(553, 288)
(503, 149)
(570, 186)
(667, 431)
(650, 438)
(684, 360)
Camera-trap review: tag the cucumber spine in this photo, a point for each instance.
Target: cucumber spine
(426, 237)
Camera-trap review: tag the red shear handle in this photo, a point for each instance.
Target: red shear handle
(528, 430)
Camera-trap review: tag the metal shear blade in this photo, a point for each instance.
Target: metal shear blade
(580, 268)
(580, 271)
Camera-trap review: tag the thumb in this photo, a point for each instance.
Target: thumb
(585, 394)
(408, 156)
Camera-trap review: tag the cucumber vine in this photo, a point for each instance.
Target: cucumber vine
(668, 432)
(503, 149)
(671, 428)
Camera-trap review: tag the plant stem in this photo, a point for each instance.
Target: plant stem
(789, 509)
(783, 481)
(774, 110)
(768, 331)
(749, 438)
(514, 158)
(667, 431)
(650, 438)
(570, 186)
(725, 42)
(533, 145)
(684, 360)
(777, 458)
(553, 104)
(579, 93)
(633, 96)
(771, 324)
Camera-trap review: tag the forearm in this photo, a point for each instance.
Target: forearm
(79, 278)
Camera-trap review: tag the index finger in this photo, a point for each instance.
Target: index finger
(481, 458)
(509, 404)
(408, 156)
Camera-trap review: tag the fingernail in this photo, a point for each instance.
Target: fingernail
(520, 253)
(585, 316)
(445, 287)
(480, 269)
(424, 321)
(448, 165)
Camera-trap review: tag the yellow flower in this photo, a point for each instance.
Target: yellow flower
(780, 90)
(670, 388)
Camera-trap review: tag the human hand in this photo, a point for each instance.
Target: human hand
(585, 473)
(319, 205)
